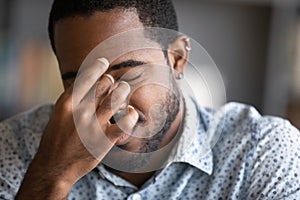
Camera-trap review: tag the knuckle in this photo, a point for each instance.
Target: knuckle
(67, 105)
(100, 91)
(84, 116)
(64, 104)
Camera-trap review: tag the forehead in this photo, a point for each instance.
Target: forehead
(75, 37)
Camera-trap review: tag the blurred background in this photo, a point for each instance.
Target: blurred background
(254, 43)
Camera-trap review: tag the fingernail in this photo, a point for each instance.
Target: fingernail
(133, 111)
(125, 86)
(104, 61)
(110, 78)
(130, 107)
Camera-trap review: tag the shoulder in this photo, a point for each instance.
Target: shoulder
(27, 126)
(31, 118)
(21, 130)
(241, 120)
(266, 149)
(19, 140)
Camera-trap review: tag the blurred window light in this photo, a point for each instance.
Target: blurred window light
(296, 68)
(293, 109)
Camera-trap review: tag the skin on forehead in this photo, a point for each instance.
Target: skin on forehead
(76, 37)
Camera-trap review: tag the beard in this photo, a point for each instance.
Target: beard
(171, 106)
(138, 160)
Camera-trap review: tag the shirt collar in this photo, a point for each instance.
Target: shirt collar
(115, 179)
(193, 146)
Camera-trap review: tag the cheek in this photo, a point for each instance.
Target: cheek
(145, 97)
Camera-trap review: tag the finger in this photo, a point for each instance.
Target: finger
(98, 92)
(124, 125)
(113, 102)
(87, 78)
(103, 88)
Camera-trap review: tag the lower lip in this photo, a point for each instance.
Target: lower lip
(122, 140)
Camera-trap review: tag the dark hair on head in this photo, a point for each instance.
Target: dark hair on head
(152, 13)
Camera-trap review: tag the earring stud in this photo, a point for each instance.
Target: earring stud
(180, 76)
(187, 47)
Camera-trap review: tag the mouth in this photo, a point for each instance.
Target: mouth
(124, 139)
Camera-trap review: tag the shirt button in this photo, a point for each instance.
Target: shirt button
(136, 197)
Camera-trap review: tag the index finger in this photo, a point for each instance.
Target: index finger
(87, 78)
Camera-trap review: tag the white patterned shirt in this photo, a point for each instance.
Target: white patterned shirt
(234, 153)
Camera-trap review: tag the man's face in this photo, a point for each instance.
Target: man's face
(76, 37)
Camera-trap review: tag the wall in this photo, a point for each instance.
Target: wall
(236, 37)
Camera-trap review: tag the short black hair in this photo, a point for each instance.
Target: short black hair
(152, 13)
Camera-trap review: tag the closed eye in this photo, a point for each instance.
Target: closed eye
(130, 79)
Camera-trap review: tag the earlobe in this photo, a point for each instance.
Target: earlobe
(178, 53)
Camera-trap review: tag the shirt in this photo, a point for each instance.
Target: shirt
(234, 153)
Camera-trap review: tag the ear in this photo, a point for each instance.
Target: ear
(178, 53)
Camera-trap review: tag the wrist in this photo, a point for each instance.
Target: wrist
(40, 188)
(41, 183)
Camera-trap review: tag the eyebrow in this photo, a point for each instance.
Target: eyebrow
(127, 63)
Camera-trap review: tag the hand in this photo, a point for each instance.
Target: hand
(64, 156)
